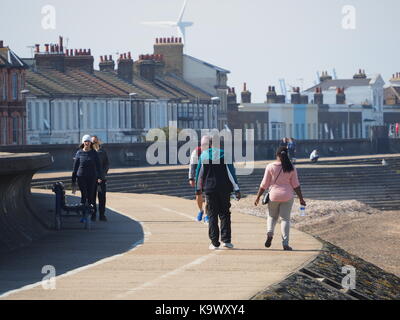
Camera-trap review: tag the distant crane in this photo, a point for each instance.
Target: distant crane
(334, 74)
(283, 89)
(179, 24)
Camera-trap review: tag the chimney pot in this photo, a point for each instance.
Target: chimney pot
(129, 55)
(36, 45)
(110, 58)
(244, 87)
(101, 59)
(1, 44)
(156, 40)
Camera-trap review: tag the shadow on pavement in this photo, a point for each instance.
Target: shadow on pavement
(68, 249)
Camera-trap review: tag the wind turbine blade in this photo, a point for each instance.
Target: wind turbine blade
(160, 23)
(182, 11)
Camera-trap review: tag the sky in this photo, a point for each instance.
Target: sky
(258, 41)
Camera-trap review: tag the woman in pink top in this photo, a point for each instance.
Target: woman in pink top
(281, 178)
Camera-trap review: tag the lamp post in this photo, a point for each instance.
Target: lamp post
(348, 120)
(131, 95)
(215, 99)
(23, 93)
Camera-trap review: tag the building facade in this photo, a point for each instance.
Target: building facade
(12, 104)
(120, 102)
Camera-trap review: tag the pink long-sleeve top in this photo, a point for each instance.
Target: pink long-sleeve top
(281, 188)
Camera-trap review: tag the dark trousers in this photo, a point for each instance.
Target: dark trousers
(219, 205)
(87, 187)
(100, 191)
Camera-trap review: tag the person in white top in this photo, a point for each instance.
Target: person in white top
(314, 156)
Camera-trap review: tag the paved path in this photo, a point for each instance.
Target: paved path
(172, 261)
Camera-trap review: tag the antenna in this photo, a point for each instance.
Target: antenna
(31, 47)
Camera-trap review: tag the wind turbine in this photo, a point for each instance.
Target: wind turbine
(179, 24)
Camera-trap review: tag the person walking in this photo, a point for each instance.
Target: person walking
(87, 171)
(284, 142)
(282, 179)
(101, 189)
(194, 161)
(292, 150)
(217, 180)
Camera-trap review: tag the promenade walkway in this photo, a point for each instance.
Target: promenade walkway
(152, 248)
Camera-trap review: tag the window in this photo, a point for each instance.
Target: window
(46, 122)
(29, 115)
(3, 127)
(277, 130)
(37, 116)
(67, 116)
(14, 86)
(121, 115)
(315, 131)
(309, 131)
(95, 116)
(15, 135)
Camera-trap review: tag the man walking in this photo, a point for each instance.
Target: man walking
(217, 180)
(101, 188)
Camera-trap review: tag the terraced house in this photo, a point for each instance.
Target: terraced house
(122, 100)
(12, 105)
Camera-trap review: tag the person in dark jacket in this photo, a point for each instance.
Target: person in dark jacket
(87, 171)
(217, 180)
(101, 188)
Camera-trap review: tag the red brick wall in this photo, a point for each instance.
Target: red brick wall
(10, 107)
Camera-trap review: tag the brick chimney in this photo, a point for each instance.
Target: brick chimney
(318, 96)
(246, 95)
(296, 98)
(325, 76)
(149, 66)
(106, 63)
(125, 67)
(80, 59)
(340, 96)
(50, 58)
(172, 51)
(1, 44)
(271, 95)
(232, 100)
(304, 99)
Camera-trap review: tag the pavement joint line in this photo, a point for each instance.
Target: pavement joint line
(169, 274)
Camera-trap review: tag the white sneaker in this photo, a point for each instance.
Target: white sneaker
(212, 247)
(228, 245)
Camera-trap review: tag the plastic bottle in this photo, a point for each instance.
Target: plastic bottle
(302, 211)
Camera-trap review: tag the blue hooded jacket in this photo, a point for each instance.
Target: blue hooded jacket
(213, 175)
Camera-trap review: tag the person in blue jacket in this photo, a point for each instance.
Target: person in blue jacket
(88, 172)
(218, 181)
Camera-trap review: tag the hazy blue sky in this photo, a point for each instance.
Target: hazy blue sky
(259, 41)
